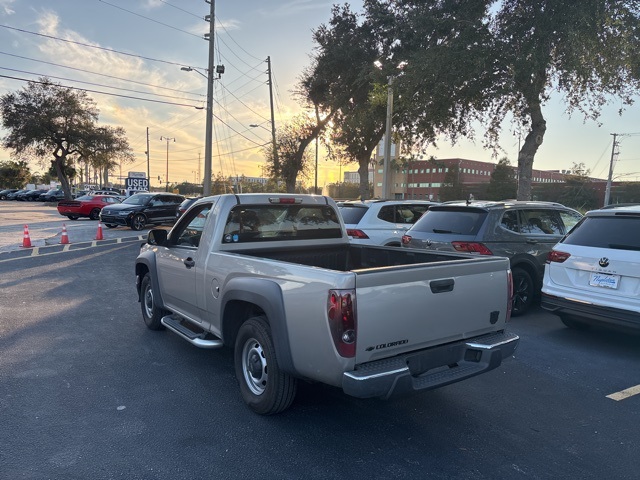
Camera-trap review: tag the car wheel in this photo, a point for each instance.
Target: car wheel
(575, 324)
(110, 225)
(72, 217)
(95, 214)
(151, 313)
(138, 222)
(523, 291)
(264, 387)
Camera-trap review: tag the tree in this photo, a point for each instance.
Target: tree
(14, 174)
(49, 122)
(586, 50)
(104, 148)
(503, 183)
(578, 191)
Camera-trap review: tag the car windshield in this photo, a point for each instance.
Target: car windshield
(450, 220)
(619, 232)
(138, 199)
(85, 198)
(352, 213)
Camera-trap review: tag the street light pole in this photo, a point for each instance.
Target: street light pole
(166, 177)
(206, 184)
(386, 173)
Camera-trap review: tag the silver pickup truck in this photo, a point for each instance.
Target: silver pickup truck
(274, 277)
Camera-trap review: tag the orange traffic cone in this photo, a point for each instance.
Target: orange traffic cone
(99, 234)
(26, 241)
(64, 239)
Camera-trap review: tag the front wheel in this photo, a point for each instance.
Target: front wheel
(523, 291)
(95, 214)
(138, 222)
(151, 313)
(72, 217)
(110, 225)
(264, 387)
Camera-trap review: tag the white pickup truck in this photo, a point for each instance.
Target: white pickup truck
(274, 277)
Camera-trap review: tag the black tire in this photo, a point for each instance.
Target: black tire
(151, 313)
(72, 217)
(110, 225)
(264, 387)
(523, 291)
(573, 323)
(95, 214)
(138, 222)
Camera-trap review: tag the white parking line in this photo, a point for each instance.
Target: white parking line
(622, 394)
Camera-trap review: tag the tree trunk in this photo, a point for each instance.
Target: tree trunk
(59, 163)
(363, 171)
(526, 155)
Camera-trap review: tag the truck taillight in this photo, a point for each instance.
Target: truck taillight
(406, 239)
(510, 290)
(352, 232)
(342, 321)
(557, 257)
(472, 247)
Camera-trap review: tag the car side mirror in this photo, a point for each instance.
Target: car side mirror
(158, 237)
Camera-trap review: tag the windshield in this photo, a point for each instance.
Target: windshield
(352, 214)
(456, 221)
(138, 199)
(619, 232)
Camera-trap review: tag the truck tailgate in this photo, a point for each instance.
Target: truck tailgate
(400, 309)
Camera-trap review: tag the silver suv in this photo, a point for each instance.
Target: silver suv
(381, 222)
(522, 231)
(592, 276)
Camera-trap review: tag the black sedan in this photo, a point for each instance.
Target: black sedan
(142, 209)
(8, 191)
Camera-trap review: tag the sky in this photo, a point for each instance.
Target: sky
(128, 54)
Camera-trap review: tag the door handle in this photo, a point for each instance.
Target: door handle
(532, 241)
(189, 262)
(441, 286)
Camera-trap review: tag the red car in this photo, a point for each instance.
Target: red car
(86, 206)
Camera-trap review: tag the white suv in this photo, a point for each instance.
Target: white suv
(592, 275)
(381, 222)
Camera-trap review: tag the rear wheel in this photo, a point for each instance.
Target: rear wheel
(110, 225)
(138, 222)
(264, 387)
(72, 217)
(523, 291)
(151, 313)
(95, 214)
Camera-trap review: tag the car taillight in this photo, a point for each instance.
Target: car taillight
(510, 290)
(472, 247)
(352, 232)
(406, 239)
(342, 321)
(557, 257)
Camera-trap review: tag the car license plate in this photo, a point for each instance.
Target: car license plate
(604, 280)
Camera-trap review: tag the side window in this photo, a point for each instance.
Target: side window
(404, 214)
(569, 219)
(189, 231)
(510, 221)
(387, 213)
(541, 222)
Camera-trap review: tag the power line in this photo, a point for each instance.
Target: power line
(94, 46)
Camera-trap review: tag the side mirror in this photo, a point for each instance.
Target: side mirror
(158, 237)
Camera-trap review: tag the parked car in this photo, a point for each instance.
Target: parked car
(86, 206)
(5, 193)
(30, 195)
(14, 195)
(53, 195)
(105, 192)
(522, 231)
(184, 206)
(381, 222)
(592, 276)
(142, 209)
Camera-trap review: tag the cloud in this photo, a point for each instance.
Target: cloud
(5, 7)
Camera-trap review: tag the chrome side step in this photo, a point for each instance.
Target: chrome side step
(190, 332)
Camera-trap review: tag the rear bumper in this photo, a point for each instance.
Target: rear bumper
(430, 368)
(591, 313)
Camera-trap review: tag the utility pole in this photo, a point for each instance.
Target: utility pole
(607, 192)
(147, 152)
(166, 177)
(206, 184)
(276, 160)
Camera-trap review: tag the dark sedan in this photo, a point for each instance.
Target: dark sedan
(86, 206)
(8, 191)
(142, 209)
(30, 195)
